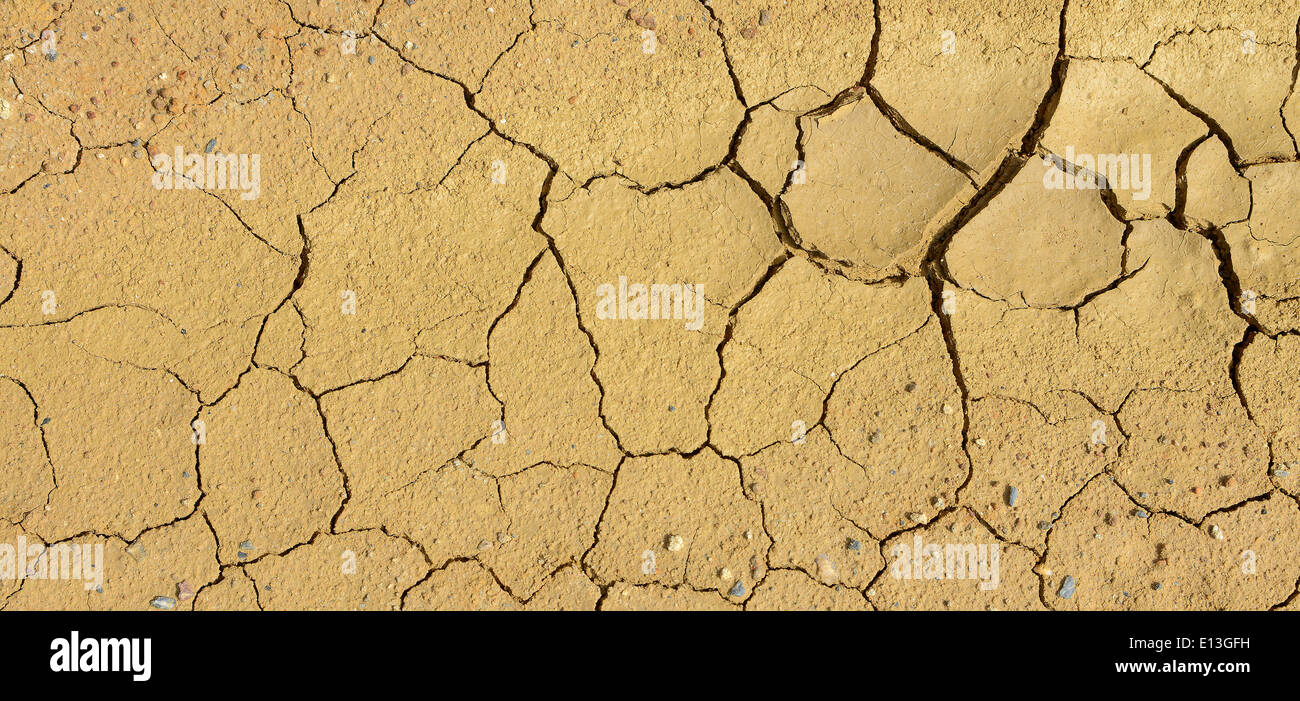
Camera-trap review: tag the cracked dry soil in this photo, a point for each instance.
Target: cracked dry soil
(401, 357)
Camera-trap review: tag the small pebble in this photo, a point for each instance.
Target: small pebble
(1141, 513)
(1067, 588)
(1013, 495)
(764, 17)
(737, 589)
(165, 603)
(212, 144)
(826, 569)
(675, 543)
(1216, 532)
(854, 545)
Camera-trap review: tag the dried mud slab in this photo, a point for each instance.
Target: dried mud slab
(467, 586)
(351, 571)
(14, 535)
(566, 590)
(540, 370)
(1117, 29)
(280, 344)
(590, 88)
(461, 586)
(452, 511)
(1112, 110)
(856, 161)
(816, 509)
(1191, 453)
(270, 479)
(426, 392)
(971, 83)
(791, 344)
(430, 269)
(233, 592)
(898, 415)
(680, 522)
(1026, 463)
(29, 476)
(122, 75)
(1269, 374)
(658, 363)
(33, 139)
(553, 515)
(404, 138)
(233, 51)
(783, 590)
(1122, 557)
(1016, 247)
(335, 17)
(83, 405)
(159, 570)
(1266, 249)
(288, 181)
(1216, 194)
(208, 361)
(1167, 325)
(188, 274)
(430, 37)
(1237, 81)
(163, 565)
(767, 147)
(775, 48)
(955, 563)
(623, 596)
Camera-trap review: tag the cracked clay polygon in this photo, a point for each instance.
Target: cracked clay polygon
(689, 305)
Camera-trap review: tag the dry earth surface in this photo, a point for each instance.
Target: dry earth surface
(575, 304)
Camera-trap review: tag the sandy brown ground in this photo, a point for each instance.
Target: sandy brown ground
(397, 377)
